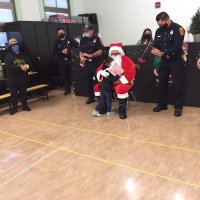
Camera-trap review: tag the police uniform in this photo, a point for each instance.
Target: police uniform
(64, 61)
(170, 41)
(90, 46)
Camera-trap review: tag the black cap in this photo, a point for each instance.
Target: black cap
(88, 27)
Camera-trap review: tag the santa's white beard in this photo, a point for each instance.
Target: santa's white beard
(117, 59)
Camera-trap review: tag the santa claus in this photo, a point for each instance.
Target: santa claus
(125, 83)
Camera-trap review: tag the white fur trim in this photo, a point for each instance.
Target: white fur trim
(122, 96)
(99, 76)
(116, 48)
(97, 94)
(123, 80)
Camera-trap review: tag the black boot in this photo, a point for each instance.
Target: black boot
(159, 108)
(122, 108)
(89, 101)
(12, 111)
(178, 112)
(26, 108)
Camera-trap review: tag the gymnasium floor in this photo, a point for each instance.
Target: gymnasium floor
(60, 152)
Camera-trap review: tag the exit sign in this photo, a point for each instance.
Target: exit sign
(157, 5)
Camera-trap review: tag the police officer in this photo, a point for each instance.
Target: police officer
(62, 49)
(168, 45)
(91, 49)
(17, 66)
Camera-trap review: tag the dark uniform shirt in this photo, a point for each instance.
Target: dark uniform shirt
(68, 43)
(170, 40)
(90, 46)
(16, 77)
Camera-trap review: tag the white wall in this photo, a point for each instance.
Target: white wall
(30, 10)
(125, 20)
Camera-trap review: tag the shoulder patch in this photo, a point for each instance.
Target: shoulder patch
(181, 31)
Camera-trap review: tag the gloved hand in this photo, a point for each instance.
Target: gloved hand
(104, 73)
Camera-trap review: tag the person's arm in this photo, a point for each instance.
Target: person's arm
(97, 54)
(81, 48)
(155, 50)
(56, 50)
(178, 44)
(74, 43)
(10, 66)
(156, 40)
(113, 78)
(99, 48)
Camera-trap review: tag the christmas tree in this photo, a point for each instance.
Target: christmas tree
(195, 25)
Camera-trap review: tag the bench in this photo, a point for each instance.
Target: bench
(41, 87)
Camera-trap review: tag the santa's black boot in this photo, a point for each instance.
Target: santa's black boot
(122, 108)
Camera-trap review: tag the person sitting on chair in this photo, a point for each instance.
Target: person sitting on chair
(17, 66)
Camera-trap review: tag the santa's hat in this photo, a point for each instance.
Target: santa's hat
(116, 47)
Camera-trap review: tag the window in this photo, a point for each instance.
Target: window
(7, 11)
(52, 7)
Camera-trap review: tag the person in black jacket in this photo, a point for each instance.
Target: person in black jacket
(62, 49)
(168, 45)
(91, 51)
(17, 66)
(106, 89)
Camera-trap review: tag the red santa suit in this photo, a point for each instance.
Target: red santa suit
(125, 82)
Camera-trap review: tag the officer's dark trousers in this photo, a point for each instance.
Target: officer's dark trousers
(20, 92)
(176, 68)
(90, 74)
(65, 72)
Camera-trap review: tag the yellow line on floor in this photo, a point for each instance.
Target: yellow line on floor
(116, 136)
(105, 161)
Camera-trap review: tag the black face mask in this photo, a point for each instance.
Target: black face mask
(164, 27)
(147, 36)
(62, 35)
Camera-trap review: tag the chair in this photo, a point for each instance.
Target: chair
(130, 98)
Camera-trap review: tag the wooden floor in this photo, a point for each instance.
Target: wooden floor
(60, 152)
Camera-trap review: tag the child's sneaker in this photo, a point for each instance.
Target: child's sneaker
(95, 113)
(110, 113)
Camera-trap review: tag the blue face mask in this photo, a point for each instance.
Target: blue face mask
(15, 48)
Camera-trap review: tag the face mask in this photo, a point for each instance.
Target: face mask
(62, 35)
(15, 48)
(86, 35)
(164, 26)
(147, 36)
